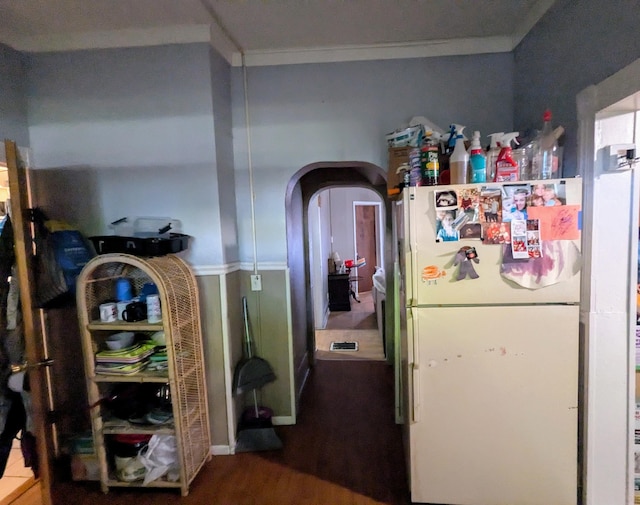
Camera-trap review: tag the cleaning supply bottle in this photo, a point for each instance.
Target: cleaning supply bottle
(429, 160)
(492, 155)
(459, 160)
(449, 140)
(477, 160)
(506, 167)
(545, 158)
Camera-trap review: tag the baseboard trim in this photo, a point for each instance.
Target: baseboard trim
(221, 450)
(282, 420)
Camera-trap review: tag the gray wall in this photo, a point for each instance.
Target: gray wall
(303, 114)
(140, 121)
(221, 88)
(13, 97)
(576, 44)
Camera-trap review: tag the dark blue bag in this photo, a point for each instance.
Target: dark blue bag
(61, 253)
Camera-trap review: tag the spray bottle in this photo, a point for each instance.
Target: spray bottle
(429, 160)
(459, 159)
(492, 155)
(477, 160)
(507, 169)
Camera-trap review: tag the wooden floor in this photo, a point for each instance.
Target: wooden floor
(360, 317)
(345, 449)
(16, 477)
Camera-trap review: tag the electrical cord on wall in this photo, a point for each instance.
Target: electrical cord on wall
(250, 164)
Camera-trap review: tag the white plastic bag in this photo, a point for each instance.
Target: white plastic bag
(379, 280)
(161, 458)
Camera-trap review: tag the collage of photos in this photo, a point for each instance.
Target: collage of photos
(490, 213)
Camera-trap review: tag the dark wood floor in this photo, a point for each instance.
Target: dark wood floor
(345, 449)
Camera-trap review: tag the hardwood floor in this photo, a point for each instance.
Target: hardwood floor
(360, 317)
(345, 450)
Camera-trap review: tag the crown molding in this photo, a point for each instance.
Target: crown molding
(114, 39)
(425, 49)
(219, 39)
(525, 24)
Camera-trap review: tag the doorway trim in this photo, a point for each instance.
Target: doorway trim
(606, 411)
(301, 187)
(379, 259)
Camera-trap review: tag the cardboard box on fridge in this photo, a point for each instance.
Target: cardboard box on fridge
(397, 156)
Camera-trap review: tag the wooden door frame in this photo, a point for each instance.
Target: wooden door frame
(379, 259)
(31, 315)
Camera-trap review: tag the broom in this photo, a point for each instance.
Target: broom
(255, 431)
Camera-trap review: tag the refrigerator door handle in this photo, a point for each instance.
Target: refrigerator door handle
(416, 393)
(415, 367)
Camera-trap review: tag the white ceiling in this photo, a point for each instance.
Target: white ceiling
(275, 31)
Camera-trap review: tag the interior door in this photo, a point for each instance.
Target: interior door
(365, 244)
(51, 337)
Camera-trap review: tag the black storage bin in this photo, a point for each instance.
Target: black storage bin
(138, 246)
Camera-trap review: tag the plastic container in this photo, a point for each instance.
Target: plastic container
(492, 155)
(507, 169)
(459, 160)
(477, 160)
(129, 445)
(545, 159)
(125, 449)
(158, 227)
(430, 162)
(145, 227)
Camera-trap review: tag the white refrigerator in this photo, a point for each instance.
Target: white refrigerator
(489, 358)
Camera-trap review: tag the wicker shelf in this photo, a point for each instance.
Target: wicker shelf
(185, 374)
(120, 326)
(113, 482)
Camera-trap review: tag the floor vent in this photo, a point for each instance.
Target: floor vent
(344, 346)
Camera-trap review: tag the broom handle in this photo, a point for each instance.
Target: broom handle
(249, 353)
(246, 326)
(255, 403)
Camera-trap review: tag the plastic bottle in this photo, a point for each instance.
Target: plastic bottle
(492, 155)
(477, 160)
(429, 160)
(459, 160)
(404, 170)
(506, 167)
(545, 158)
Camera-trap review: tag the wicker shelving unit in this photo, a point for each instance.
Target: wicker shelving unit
(185, 375)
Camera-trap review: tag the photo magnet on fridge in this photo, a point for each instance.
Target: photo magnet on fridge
(464, 260)
(446, 199)
(445, 229)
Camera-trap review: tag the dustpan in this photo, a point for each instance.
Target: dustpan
(255, 431)
(251, 372)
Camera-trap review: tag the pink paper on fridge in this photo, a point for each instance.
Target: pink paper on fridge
(557, 223)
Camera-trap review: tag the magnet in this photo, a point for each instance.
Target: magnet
(465, 257)
(431, 274)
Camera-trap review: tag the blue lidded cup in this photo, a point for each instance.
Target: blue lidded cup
(149, 288)
(124, 290)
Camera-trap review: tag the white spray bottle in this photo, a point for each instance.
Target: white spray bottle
(492, 155)
(459, 160)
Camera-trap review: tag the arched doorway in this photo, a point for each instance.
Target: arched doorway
(302, 186)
